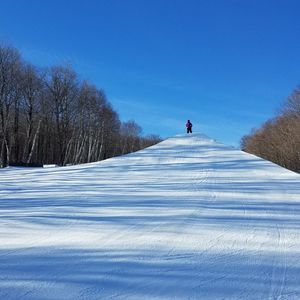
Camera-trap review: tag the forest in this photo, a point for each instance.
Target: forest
(278, 139)
(50, 116)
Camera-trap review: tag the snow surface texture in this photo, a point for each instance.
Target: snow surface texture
(188, 218)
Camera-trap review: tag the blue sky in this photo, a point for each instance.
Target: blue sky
(225, 64)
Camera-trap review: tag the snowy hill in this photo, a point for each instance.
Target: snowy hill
(188, 218)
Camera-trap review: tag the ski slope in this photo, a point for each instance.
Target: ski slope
(188, 218)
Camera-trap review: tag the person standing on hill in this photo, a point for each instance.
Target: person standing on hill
(189, 126)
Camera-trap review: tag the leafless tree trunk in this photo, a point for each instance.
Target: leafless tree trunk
(34, 142)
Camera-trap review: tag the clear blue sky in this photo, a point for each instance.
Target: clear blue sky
(225, 64)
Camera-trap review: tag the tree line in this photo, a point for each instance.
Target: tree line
(50, 116)
(278, 139)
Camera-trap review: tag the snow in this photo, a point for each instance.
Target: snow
(188, 218)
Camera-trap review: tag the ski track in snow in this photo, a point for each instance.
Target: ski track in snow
(188, 218)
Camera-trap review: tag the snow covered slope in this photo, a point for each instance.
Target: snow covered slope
(188, 218)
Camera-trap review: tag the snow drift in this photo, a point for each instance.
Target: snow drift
(188, 218)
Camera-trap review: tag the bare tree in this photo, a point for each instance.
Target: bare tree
(292, 105)
(9, 92)
(130, 132)
(278, 140)
(31, 88)
(62, 87)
